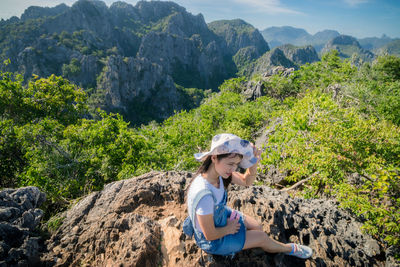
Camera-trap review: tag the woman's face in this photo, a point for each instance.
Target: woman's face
(226, 165)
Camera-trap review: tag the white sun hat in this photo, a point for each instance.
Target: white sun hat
(229, 143)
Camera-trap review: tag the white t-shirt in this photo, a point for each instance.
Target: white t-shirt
(206, 204)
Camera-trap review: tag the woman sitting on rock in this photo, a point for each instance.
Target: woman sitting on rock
(218, 229)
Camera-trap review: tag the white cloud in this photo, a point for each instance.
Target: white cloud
(10, 8)
(268, 6)
(355, 2)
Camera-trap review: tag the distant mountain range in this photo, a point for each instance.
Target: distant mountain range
(276, 36)
(135, 60)
(143, 61)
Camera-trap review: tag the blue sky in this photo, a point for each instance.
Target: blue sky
(359, 18)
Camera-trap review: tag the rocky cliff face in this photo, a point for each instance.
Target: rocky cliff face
(270, 60)
(35, 12)
(133, 82)
(300, 55)
(179, 46)
(238, 34)
(137, 222)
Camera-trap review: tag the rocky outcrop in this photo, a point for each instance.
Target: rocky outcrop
(300, 55)
(270, 61)
(254, 90)
(35, 12)
(188, 60)
(137, 222)
(20, 215)
(347, 46)
(84, 15)
(135, 81)
(243, 42)
(257, 88)
(238, 34)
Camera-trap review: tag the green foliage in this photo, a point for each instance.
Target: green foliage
(377, 202)
(326, 143)
(376, 89)
(12, 96)
(236, 85)
(190, 98)
(11, 156)
(388, 67)
(54, 223)
(244, 57)
(237, 25)
(185, 133)
(78, 40)
(72, 69)
(321, 74)
(54, 97)
(46, 140)
(280, 87)
(69, 161)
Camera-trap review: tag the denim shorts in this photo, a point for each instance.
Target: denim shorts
(227, 245)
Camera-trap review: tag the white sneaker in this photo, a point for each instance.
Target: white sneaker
(300, 251)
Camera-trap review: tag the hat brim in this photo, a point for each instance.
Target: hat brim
(247, 161)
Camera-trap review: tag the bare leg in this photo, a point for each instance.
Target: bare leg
(251, 224)
(259, 239)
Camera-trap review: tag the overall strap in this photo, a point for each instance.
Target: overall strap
(196, 201)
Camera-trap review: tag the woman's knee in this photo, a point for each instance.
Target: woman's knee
(252, 224)
(255, 238)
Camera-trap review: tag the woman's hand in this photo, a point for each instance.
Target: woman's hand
(232, 226)
(248, 178)
(257, 153)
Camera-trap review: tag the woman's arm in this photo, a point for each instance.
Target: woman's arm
(245, 179)
(211, 232)
(249, 176)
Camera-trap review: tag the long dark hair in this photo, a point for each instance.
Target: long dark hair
(207, 163)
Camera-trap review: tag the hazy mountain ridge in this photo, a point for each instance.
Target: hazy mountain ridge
(276, 36)
(347, 46)
(392, 48)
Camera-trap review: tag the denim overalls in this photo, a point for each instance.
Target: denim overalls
(227, 245)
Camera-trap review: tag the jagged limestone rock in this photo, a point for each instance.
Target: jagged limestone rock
(137, 222)
(300, 55)
(19, 217)
(271, 60)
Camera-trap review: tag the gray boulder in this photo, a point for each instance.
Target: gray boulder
(19, 218)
